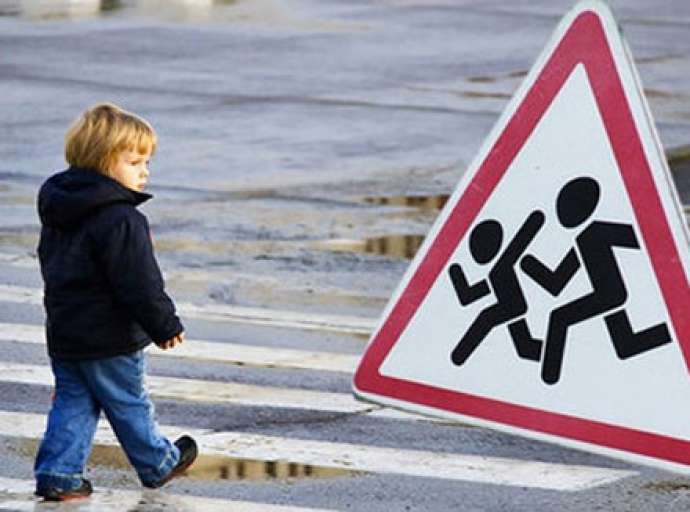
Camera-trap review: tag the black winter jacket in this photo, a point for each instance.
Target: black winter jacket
(104, 293)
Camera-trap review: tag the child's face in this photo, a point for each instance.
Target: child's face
(131, 169)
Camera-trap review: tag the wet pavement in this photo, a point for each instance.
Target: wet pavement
(306, 146)
(276, 118)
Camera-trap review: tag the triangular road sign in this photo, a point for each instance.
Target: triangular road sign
(549, 298)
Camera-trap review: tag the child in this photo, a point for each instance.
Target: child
(105, 301)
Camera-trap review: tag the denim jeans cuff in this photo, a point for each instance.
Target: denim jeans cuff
(62, 481)
(166, 466)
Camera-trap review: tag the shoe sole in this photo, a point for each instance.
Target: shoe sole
(174, 473)
(71, 497)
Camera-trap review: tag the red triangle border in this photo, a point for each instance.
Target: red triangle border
(585, 43)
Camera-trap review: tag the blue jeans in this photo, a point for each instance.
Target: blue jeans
(84, 388)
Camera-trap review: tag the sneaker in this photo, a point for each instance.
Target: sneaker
(188, 453)
(58, 494)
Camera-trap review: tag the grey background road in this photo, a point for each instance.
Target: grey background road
(305, 148)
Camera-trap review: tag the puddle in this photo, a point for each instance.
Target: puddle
(668, 486)
(656, 93)
(425, 203)
(398, 246)
(211, 467)
(658, 58)
(486, 95)
(492, 79)
(679, 161)
(225, 468)
(482, 79)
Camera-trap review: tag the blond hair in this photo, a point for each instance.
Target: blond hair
(97, 136)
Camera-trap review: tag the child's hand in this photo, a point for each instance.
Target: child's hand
(172, 342)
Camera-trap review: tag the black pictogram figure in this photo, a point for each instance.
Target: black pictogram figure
(485, 242)
(576, 202)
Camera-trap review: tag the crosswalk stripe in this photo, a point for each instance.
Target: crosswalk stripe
(116, 500)
(493, 470)
(226, 392)
(364, 458)
(232, 353)
(18, 260)
(279, 318)
(238, 314)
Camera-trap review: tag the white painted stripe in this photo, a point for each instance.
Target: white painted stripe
(27, 333)
(473, 468)
(232, 353)
(216, 312)
(20, 294)
(227, 393)
(116, 500)
(19, 260)
(277, 318)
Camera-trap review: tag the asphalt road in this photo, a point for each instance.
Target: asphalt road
(282, 125)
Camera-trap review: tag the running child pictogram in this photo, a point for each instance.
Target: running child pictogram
(575, 204)
(510, 305)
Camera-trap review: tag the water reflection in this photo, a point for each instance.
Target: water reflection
(211, 467)
(425, 203)
(215, 467)
(397, 246)
(227, 468)
(401, 246)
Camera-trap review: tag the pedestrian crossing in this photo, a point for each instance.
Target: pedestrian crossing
(225, 352)
(225, 393)
(356, 458)
(236, 314)
(353, 457)
(236, 394)
(16, 495)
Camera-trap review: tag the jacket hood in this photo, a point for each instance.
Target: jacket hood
(69, 196)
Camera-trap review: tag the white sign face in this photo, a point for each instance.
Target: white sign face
(549, 297)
